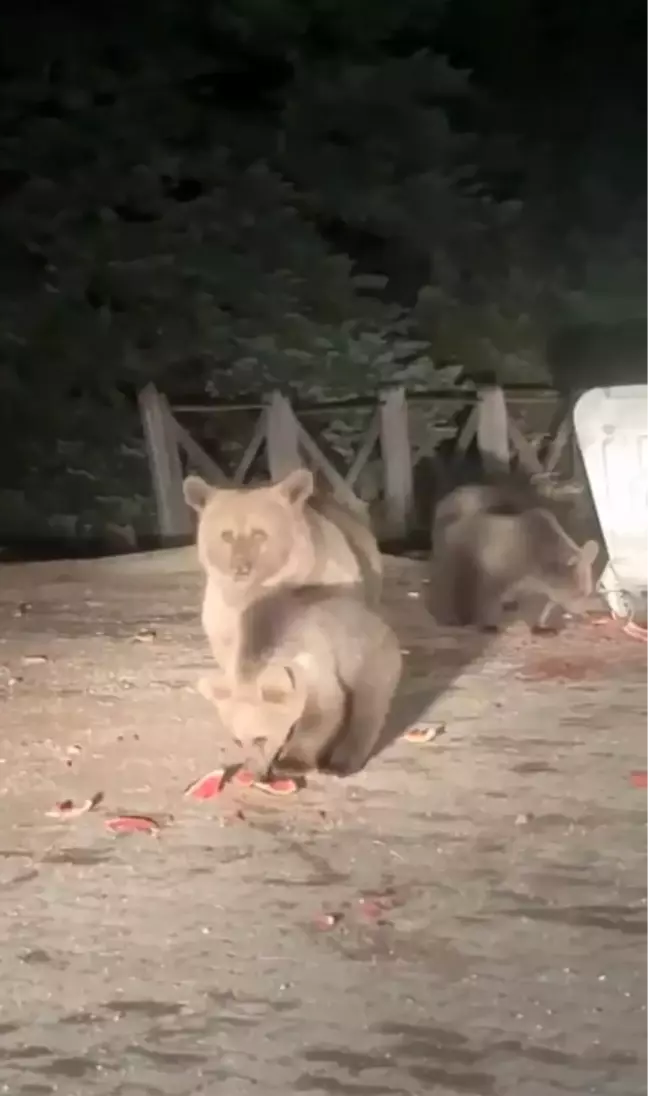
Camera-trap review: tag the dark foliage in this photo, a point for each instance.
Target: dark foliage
(323, 197)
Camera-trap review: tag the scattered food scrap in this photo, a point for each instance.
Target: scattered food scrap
(243, 777)
(278, 787)
(67, 808)
(373, 907)
(599, 619)
(214, 782)
(325, 921)
(636, 631)
(207, 786)
(562, 669)
(612, 625)
(422, 734)
(132, 823)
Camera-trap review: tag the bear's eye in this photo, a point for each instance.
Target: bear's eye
(227, 535)
(259, 535)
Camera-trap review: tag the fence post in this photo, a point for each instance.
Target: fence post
(397, 462)
(282, 438)
(492, 430)
(174, 519)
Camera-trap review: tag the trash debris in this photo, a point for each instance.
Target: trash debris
(132, 823)
(33, 660)
(424, 733)
(67, 809)
(639, 778)
(145, 635)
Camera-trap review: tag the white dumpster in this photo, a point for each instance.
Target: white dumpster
(611, 426)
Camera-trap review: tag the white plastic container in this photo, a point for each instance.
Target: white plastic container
(611, 426)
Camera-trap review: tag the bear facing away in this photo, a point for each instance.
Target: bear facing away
(253, 539)
(318, 671)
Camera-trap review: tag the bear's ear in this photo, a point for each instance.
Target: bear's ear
(197, 492)
(297, 486)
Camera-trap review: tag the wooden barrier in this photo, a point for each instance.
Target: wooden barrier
(487, 422)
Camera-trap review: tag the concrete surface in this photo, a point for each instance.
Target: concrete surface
(487, 890)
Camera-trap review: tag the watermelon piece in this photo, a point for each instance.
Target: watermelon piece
(284, 786)
(132, 823)
(207, 786)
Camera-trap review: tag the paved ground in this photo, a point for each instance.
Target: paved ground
(487, 890)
